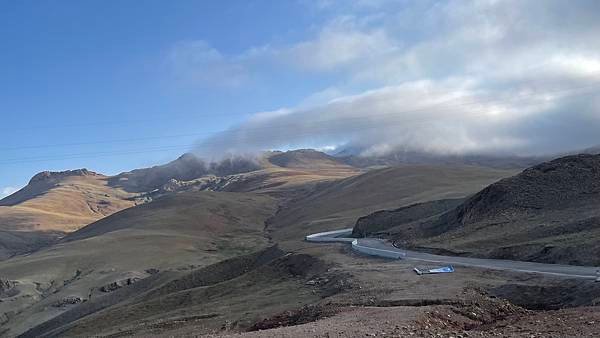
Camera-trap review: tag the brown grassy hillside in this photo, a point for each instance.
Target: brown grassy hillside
(547, 213)
(278, 174)
(336, 205)
(54, 203)
(62, 201)
(175, 233)
(144, 265)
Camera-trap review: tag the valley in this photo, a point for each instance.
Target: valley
(300, 169)
(225, 255)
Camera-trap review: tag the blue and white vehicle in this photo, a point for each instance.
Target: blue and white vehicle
(444, 269)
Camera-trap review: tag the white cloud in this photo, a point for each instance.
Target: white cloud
(453, 116)
(453, 76)
(453, 38)
(7, 191)
(395, 41)
(197, 62)
(342, 42)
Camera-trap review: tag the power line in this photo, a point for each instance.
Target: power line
(439, 105)
(117, 122)
(59, 145)
(315, 131)
(206, 145)
(94, 155)
(171, 118)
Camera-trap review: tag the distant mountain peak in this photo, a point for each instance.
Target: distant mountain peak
(185, 168)
(302, 158)
(188, 157)
(57, 175)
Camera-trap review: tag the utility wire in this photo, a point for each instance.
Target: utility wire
(439, 105)
(317, 130)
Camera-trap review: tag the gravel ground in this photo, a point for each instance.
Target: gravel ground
(352, 322)
(444, 321)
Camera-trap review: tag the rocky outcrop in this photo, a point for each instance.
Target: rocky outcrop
(381, 221)
(119, 284)
(566, 183)
(7, 288)
(172, 185)
(188, 167)
(69, 300)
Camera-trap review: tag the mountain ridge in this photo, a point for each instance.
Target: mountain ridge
(547, 213)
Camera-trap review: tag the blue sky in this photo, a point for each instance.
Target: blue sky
(117, 85)
(97, 71)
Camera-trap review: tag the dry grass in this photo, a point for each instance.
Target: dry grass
(67, 206)
(189, 230)
(339, 204)
(177, 232)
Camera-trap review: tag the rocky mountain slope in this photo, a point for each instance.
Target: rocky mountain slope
(378, 222)
(307, 159)
(354, 158)
(547, 213)
(189, 172)
(281, 174)
(225, 253)
(54, 203)
(187, 167)
(112, 270)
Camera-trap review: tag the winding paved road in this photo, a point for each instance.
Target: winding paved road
(381, 248)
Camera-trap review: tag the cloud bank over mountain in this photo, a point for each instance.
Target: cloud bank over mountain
(519, 77)
(6, 191)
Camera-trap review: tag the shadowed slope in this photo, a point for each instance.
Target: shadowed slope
(548, 213)
(176, 232)
(336, 205)
(307, 159)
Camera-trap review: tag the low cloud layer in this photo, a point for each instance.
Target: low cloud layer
(519, 77)
(7, 191)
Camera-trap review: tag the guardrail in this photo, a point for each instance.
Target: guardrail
(338, 236)
(376, 251)
(331, 236)
(377, 247)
